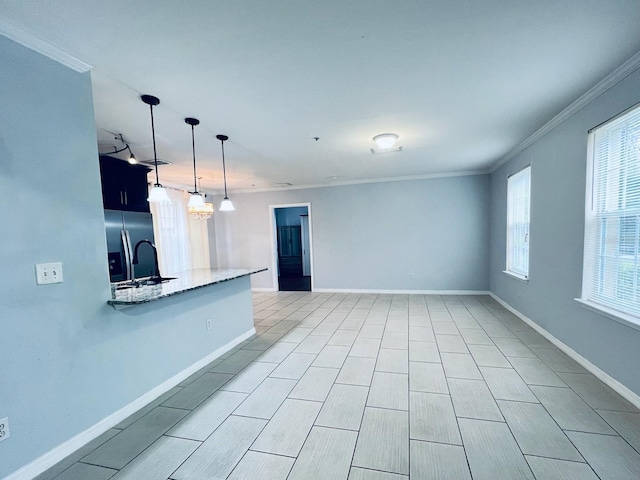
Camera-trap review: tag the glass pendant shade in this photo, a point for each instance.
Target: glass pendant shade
(196, 201)
(158, 195)
(226, 205)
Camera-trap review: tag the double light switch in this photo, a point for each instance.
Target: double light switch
(48, 273)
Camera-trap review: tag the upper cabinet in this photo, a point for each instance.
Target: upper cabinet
(124, 186)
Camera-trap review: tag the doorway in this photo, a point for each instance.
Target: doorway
(292, 247)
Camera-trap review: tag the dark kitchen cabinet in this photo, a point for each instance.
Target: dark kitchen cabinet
(124, 186)
(290, 251)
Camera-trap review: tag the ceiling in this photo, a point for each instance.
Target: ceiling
(461, 82)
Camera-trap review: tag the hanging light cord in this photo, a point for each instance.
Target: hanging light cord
(224, 170)
(155, 155)
(193, 148)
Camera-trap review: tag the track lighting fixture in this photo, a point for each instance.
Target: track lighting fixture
(131, 158)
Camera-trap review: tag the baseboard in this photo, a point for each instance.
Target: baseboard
(628, 394)
(402, 292)
(271, 289)
(65, 449)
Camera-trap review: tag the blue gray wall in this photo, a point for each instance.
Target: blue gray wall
(558, 175)
(67, 360)
(373, 236)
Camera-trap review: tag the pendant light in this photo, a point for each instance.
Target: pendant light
(157, 193)
(196, 201)
(226, 205)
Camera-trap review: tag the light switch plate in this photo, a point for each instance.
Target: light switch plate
(48, 273)
(4, 429)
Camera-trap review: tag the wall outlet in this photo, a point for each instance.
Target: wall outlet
(208, 324)
(4, 428)
(48, 273)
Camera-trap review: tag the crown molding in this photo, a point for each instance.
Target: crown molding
(363, 181)
(619, 74)
(43, 47)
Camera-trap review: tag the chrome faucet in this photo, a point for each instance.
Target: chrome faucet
(155, 257)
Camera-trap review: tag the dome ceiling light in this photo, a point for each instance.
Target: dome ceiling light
(385, 143)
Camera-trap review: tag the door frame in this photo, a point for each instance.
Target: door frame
(274, 240)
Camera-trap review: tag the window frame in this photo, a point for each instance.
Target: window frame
(596, 235)
(510, 267)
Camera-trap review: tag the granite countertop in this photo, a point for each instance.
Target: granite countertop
(184, 282)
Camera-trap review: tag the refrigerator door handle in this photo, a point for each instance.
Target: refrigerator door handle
(126, 242)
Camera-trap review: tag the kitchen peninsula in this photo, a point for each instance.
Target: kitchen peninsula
(183, 282)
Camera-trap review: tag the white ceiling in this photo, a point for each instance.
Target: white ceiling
(462, 82)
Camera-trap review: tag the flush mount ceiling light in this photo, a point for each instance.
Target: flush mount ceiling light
(385, 140)
(386, 143)
(196, 201)
(226, 205)
(157, 193)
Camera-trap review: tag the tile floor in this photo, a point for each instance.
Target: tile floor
(376, 387)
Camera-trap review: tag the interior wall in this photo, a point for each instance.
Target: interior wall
(427, 234)
(558, 176)
(67, 359)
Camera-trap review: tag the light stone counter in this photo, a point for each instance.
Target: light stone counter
(185, 281)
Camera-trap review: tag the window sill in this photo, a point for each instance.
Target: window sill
(623, 318)
(517, 276)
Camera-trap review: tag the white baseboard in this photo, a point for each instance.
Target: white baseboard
(603, 376)
(270, 289)
(402, 292)
(65, 449)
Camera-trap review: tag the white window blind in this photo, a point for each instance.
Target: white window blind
(518, 200)
(611, 275)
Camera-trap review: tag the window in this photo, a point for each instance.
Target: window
(518, 199)
(611, 276)
(182, 241)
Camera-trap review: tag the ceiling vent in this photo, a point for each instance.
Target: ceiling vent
(152, 163)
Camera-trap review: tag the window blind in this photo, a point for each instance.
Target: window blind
(518, 202)
(611, 275)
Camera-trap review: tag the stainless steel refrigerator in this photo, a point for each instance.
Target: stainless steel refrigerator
(124, 231)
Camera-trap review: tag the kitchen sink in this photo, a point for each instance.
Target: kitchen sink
(141, 282)
(154, 280)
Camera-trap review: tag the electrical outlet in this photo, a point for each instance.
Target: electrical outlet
(48, 273)
(4, 429)
(208, 324)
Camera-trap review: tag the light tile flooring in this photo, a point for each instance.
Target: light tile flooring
(376, 387)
